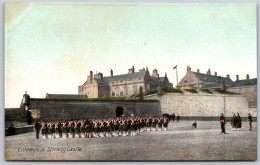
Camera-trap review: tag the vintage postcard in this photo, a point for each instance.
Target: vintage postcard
(130, 81)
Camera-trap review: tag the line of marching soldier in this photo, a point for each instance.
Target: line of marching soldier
(102, 128)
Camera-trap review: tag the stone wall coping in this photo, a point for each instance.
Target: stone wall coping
(203, 94)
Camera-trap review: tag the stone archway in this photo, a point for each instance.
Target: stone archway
(119, 111)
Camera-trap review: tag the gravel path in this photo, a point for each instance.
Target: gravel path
(180, 142)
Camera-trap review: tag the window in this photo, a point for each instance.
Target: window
(185, 81)
(121, 93)
(113, 93)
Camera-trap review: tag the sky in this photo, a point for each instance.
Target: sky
(52, 47)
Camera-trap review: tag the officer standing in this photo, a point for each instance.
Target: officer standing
(37, 128)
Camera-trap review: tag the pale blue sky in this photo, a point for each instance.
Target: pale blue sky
(50, 48)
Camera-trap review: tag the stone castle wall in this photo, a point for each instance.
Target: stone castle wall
(204, 105)
(67, 110)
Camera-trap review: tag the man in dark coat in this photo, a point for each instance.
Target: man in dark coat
(178, 117)
(222, 123)
(37, 128)
(239, 122)
(250, 121)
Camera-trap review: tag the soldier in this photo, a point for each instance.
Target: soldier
(44, 131)
(87, 126)
(178, 117)
(222, 123)
(83, 129)
(59, 129)
(153, 124)
(124, 127)
(239, 122)
(72, 129)
(160, 121)
(173, 117)
(95, 133)
(65, 129)
(56, 131)
(77, 129)
(43, 128)
(165, 124)
(133, 128)
(109, 128)
(148, 126)
(234, 122)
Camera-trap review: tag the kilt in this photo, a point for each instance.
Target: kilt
(44, 131)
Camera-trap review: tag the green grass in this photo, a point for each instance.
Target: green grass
(206, 91)
(94, 99)
(144, 94)
(150, 92)
(14, 114)
(172, 90)
(226, 92)
(191, 90)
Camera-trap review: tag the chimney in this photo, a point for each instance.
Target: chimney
(91, 76)
(142, 70)
(132, 70)
(188, 69)
(228, 76)
(198, 70)
(216, 74)
(101, 76)
(224, 85)
(237, 78)
(165, 74)
(209, 72)
(111, 73)
(247, 79)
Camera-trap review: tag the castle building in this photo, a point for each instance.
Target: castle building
(246, 87)
(123, 85)
(203, 81)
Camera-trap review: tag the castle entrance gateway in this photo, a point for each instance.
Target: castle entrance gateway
(119, 111)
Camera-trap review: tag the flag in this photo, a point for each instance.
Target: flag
(175, 67)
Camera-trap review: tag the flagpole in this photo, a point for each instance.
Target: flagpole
(176, 76)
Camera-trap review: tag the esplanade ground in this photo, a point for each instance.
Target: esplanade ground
(180, 142)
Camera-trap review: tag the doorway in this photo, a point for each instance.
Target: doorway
(119, 111)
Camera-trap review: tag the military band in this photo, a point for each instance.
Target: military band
(102, 128)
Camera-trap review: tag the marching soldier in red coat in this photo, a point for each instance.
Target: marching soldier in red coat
(165, 123)
(44, 130)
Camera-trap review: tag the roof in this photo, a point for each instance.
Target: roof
(213, 79)
(66, 96)
(161, 78)
(122, 77)
(242, 83)
(211, 85)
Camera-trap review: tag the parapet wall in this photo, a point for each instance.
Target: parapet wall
(67, 110)
(203, 105)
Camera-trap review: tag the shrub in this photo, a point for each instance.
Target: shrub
(172, 90)
(14, 114)
(206, 91)
(191, 90)
(226, 92)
